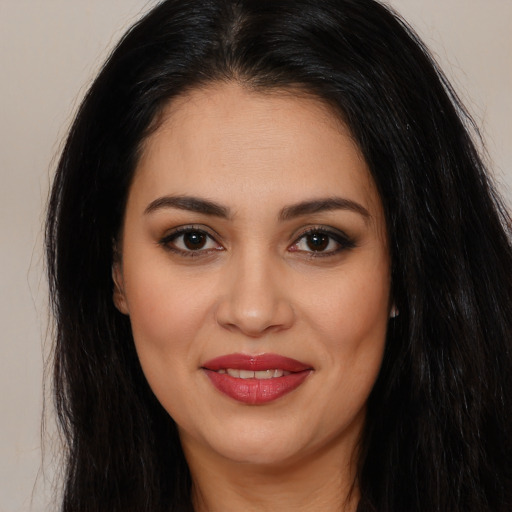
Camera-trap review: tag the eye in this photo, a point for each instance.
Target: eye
(190, 240)
(322, 242)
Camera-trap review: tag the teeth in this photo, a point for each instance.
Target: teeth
(248, 374)
(265, 374)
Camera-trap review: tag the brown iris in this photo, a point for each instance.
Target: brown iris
(317, 241)
(194, 240)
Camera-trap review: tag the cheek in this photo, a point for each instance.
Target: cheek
(355, 308)
(350, 322)
(352, 331)
(166, 314)
(167, 317)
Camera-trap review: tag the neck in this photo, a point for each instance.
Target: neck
(325, 481)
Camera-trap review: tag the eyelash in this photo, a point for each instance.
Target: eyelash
(167, 240)
(343, 242)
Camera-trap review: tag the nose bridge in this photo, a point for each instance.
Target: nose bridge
(254, 298)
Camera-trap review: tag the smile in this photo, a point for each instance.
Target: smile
(248, 374)
(256, 379)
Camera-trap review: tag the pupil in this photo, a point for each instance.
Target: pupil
(317, 241)
(194, 240)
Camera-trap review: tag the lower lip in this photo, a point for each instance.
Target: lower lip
(256, 391)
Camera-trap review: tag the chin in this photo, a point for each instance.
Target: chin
(260, 446)
(260, 454)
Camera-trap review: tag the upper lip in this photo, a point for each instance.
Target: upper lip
(255, 363)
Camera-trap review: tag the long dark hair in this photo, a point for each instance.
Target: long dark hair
(438, 430)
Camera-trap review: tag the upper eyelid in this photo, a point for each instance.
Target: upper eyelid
(186, 228)
(322, 229)
(167, 242)
(344, 241)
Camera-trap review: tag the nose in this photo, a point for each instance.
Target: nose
(254, 299)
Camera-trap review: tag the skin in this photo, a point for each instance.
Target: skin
(257, 287)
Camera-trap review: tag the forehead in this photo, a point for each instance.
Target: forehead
(226, 142)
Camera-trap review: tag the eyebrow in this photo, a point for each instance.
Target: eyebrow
(322, 205)
(207, 207)
(192, 204)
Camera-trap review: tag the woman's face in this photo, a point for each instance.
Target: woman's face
(255, 270)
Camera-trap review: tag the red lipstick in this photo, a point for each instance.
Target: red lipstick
(256, 379)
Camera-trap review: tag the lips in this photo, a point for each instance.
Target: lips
(256, 379)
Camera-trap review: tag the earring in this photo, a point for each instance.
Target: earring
(394, 312)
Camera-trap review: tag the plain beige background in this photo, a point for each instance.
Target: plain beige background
(50, 50)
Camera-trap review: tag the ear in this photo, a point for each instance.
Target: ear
(119, 296)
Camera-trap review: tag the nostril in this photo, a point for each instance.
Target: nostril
(255, 320)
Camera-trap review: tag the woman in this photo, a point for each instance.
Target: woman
(280, 274)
